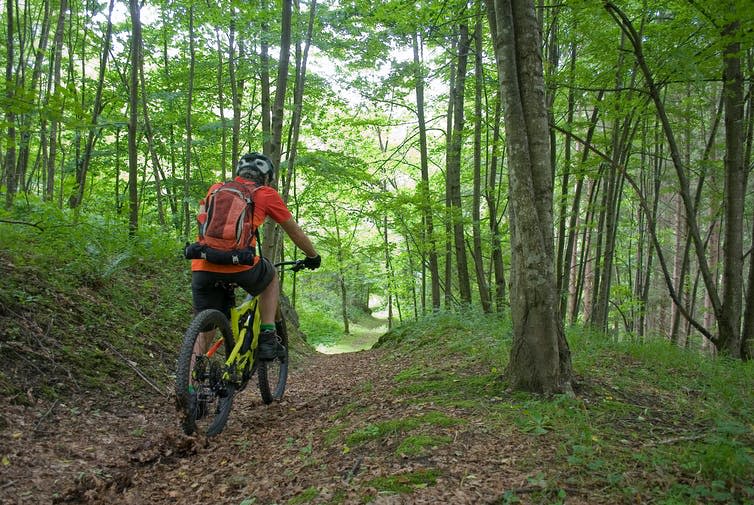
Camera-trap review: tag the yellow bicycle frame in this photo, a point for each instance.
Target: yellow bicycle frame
(235, 357)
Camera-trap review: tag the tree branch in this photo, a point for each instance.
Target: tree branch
(25, 223)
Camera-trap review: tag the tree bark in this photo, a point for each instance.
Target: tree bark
(236, 92)
(187, 221)
(493, 198)
(484, 292)
(272, 233)
(448, 274)
(11, 177)
(133, 106)
(149, 134)
(540, 359)
(298, 101)
(77, 197)
(26, 121)
(454, 170)
(53, 133)
(429, 242)
(221, 105)
(735, 193)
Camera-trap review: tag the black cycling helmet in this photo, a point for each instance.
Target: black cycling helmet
(256, 167)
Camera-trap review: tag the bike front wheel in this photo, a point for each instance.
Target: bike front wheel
(273, 374)
(203, 398)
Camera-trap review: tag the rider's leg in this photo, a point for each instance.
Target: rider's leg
(202, 342)
(207, 293)
(269, 342)
(268, 300)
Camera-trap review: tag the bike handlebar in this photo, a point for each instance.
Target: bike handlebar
(295, 264)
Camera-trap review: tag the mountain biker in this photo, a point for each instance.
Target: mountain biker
(207, 279)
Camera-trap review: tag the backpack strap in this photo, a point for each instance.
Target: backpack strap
(256, 229)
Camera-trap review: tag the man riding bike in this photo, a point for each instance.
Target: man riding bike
(209, 280)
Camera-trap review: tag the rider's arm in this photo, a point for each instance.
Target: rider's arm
(298, 237)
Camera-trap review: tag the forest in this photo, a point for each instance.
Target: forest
(388, 121)
(547, 196)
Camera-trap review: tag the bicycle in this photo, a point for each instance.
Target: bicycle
(207, 383)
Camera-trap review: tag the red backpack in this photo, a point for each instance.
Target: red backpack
(226, 217)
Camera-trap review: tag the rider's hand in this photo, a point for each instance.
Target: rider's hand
(313, 263)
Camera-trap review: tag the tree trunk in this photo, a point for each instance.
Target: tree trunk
(484, 292)
(428, 239)
(221, 105)
(563, 261)
(272, 233)
(747, 336)
(174, 192)
(151, 143)
(133, 108)
(77, 197)
(448, 277)
(58, 56)
(540, 359)
(187, 221)
(735, 193)
(236, 91)
(11, 177)
(568, 300)
(298, 99)
(341, 273)
(493, 198)
(26, 121)
(727, 310)
(454, 170)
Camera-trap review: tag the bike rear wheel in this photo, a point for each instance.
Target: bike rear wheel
(204, 399)
(273, 374)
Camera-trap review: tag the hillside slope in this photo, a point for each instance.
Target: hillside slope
(88, 349)
(424, 418)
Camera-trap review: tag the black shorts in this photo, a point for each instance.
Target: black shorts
(210, 289)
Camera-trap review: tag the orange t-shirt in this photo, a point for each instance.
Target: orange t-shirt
(267, 202)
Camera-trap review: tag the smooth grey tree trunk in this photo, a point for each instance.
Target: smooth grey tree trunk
(10, 175)
(484, 292)
(540, 360)
(133, 107)
(187, 222)
(454, 170)
(429, 241)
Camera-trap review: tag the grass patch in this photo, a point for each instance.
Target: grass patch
(382, 429)
(649, 422)
(416, 445)
(307, 495)
(404, 483)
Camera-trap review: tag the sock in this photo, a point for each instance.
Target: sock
(267, 326)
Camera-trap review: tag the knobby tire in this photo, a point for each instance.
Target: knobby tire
(206, 411)
(273, 374)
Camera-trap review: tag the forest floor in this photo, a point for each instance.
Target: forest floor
(288, 452)
(87, 357)
(424, 418)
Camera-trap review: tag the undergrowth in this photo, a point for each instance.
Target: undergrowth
(650, 422)
(84, 306)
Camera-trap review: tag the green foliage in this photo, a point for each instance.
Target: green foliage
(318, 324)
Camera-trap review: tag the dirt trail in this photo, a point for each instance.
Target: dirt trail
(295, 451)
